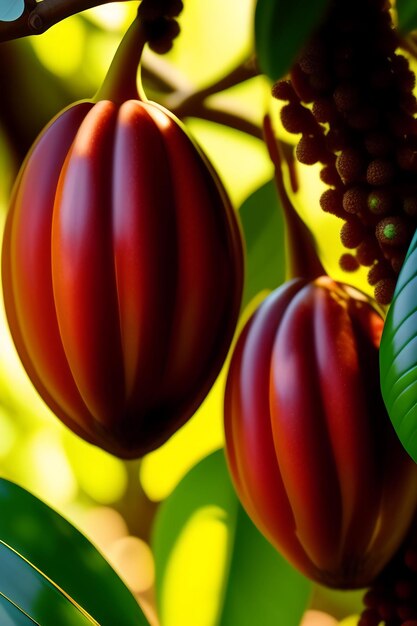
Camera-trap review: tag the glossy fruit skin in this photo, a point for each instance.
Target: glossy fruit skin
(122, 269)
(311, 450)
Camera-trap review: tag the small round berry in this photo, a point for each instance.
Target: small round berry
(296, 119)
(351, 234)
(367, 252)
(350, 166)
(378, 144)
(348, 263)
(410, 205)
(380, 201)
(301, 86)
(324, 110)
(337, 138)
(392, 231)
(355, 200)
(407, 158)
(346, 97)
(329, 175)
(380, 172)
(377, 272)
(365, 118)
(283, 90)
(331, 202)
(309, 150)
(397, 261)
(384, 291)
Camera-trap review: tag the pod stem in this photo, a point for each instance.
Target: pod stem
(302, 260)
(120, 83)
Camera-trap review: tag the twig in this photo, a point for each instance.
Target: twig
(38, 17)
(226, 118)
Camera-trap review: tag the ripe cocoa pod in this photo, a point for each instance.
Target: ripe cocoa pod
(311, 450)
(122, 271)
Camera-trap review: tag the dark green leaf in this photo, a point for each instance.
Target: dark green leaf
(11, 615)
(263, 227)
(65, 556)
(251, 585)
(407, 15)
(34, 594)
(282, 27)
(398, 355)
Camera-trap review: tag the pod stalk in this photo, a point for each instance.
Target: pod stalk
(302, 260)
(121, 82)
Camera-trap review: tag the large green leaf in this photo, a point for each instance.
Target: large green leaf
(263, 226)
(32, 593)
(65, 556)
(398, 355)
(213, 567)
(407, 15)
(11, 615)
(281, 29)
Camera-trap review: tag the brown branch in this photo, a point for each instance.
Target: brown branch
(180, 97)
(38, 17)
(184, 101)
(226, 118)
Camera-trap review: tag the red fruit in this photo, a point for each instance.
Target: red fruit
(311, 450)
(122, 270)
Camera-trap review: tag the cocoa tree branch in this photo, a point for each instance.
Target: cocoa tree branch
(232, 120)
(180, 98)
(37, 17)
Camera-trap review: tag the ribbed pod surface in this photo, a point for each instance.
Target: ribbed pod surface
(123, 272)
(311, 449)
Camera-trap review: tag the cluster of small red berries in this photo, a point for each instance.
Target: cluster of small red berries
(350, 97)
(159, 19)
(392, 599)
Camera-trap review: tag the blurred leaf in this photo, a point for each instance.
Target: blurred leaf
(281, 29)
(263, 226)
(34, 594)
(350, 621)
(407, 15)
(65, 556)
(10, 10)
(215, 36)
(241, 160)
(398, 355)
(213, 567)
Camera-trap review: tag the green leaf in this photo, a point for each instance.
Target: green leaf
(66, 557)
(398, 355)
(11, 615)
(407, 15)
(263, 226)
(282, 27)
(35, 595)
(213, 567)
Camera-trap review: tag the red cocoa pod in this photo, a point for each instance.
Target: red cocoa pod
(311, 450)
(123, 270)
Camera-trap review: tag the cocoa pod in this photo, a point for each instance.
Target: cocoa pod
(311, 450)
(122, 271)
